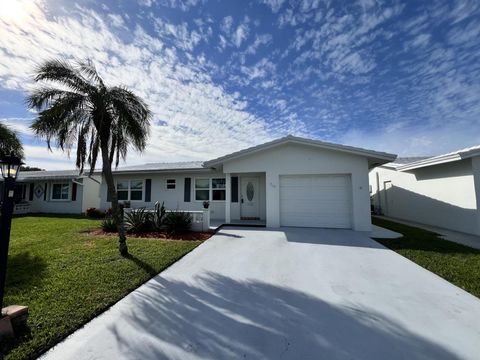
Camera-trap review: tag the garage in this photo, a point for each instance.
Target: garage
(316, 201)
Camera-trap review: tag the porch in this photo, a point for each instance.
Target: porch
(216, 224)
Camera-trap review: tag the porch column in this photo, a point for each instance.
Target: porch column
(228, 196)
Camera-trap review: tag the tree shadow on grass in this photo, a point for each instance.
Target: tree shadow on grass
(24, 271)
(142, 264)
(420, 239)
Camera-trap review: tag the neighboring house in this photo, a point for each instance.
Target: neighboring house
(291, 181)
(64, 192)
(442, 190)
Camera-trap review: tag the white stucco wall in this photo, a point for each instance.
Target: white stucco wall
(441, 195)
(292, 159)
(173, 198)
(39, 205)
(91, 193)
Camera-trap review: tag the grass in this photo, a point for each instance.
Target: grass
(454, 262)
(67, 277)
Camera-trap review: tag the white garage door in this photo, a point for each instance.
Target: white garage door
(315, 201)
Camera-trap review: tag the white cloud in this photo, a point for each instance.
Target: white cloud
(275, 5)
(117, 20)
(240, 34)
(259, 41)
(199, 119)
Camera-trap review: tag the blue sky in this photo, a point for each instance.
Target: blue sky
(222, 75)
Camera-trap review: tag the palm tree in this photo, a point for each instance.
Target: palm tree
(75, 107)
(9, 142)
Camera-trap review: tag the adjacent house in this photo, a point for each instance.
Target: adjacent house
(442, 190)
(291, 181)
(64, 192)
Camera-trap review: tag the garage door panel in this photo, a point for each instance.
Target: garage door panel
(315, 201)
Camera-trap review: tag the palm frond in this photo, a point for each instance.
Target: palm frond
(9, 142)
(63, 73)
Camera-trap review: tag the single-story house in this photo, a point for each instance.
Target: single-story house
(291, 181)
(442, 191)
(63, 191)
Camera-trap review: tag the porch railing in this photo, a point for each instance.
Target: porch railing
(21, 208)
(200, 218)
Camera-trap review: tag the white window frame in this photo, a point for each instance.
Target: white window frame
(174, 184)
(129, 189)
(69, 196)
(210, 189)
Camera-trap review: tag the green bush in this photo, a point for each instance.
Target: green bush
(177, 222)
(158, 217)
(94, 213)
(108, 225)
(138, 221)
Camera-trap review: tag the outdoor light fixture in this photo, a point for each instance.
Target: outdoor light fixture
(10, 166)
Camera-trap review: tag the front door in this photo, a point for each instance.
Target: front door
(249, 198)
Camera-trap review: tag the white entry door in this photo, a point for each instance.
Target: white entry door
(315, 201)
(249, 208)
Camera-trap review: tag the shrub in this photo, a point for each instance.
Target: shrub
(94, 213)
(158, 216)
(177, 221)
(138, 221)
(108, 225)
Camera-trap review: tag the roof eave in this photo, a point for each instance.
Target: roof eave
(430, 162)
(378, 158)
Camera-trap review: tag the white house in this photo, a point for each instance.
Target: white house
(63, 191)
(442, 191)
(287, 182)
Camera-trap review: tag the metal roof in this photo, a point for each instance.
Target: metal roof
(48, 175)
(375, 157)
(174, 166)
(442, 159)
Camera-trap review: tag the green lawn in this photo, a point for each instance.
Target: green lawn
(67, 277)
(456, 263)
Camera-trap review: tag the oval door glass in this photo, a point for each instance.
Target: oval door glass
(250, 191)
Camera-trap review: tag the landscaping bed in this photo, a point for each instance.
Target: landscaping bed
(459, 264)
(67, 278)
(188, 235)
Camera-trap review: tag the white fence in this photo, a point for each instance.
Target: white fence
(21, 208)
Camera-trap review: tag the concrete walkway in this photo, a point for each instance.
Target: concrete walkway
(451, 235)
(290, 294)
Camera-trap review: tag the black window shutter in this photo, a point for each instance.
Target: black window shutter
(148, 190)
(74, 191)
(30, 192)
(45, 190)
(187, 189)
(234, 180)
(109, 198)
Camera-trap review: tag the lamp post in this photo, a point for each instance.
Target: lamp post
(10, 167)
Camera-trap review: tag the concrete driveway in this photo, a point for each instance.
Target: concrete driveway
(290, 294)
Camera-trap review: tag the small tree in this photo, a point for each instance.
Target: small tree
(9, 142)
(75, 107)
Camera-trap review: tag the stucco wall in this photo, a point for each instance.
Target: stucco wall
(441, 195)
(39, 205)
(173, 198)
(291, 159)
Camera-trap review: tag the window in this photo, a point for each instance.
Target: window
(218, 189)
(202, 189)
(130, 190)
(136, 190)
(122, 190)
(210, 189)
(171, 184)
(60, 191)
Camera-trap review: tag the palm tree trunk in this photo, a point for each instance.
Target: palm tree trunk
(116, 211)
